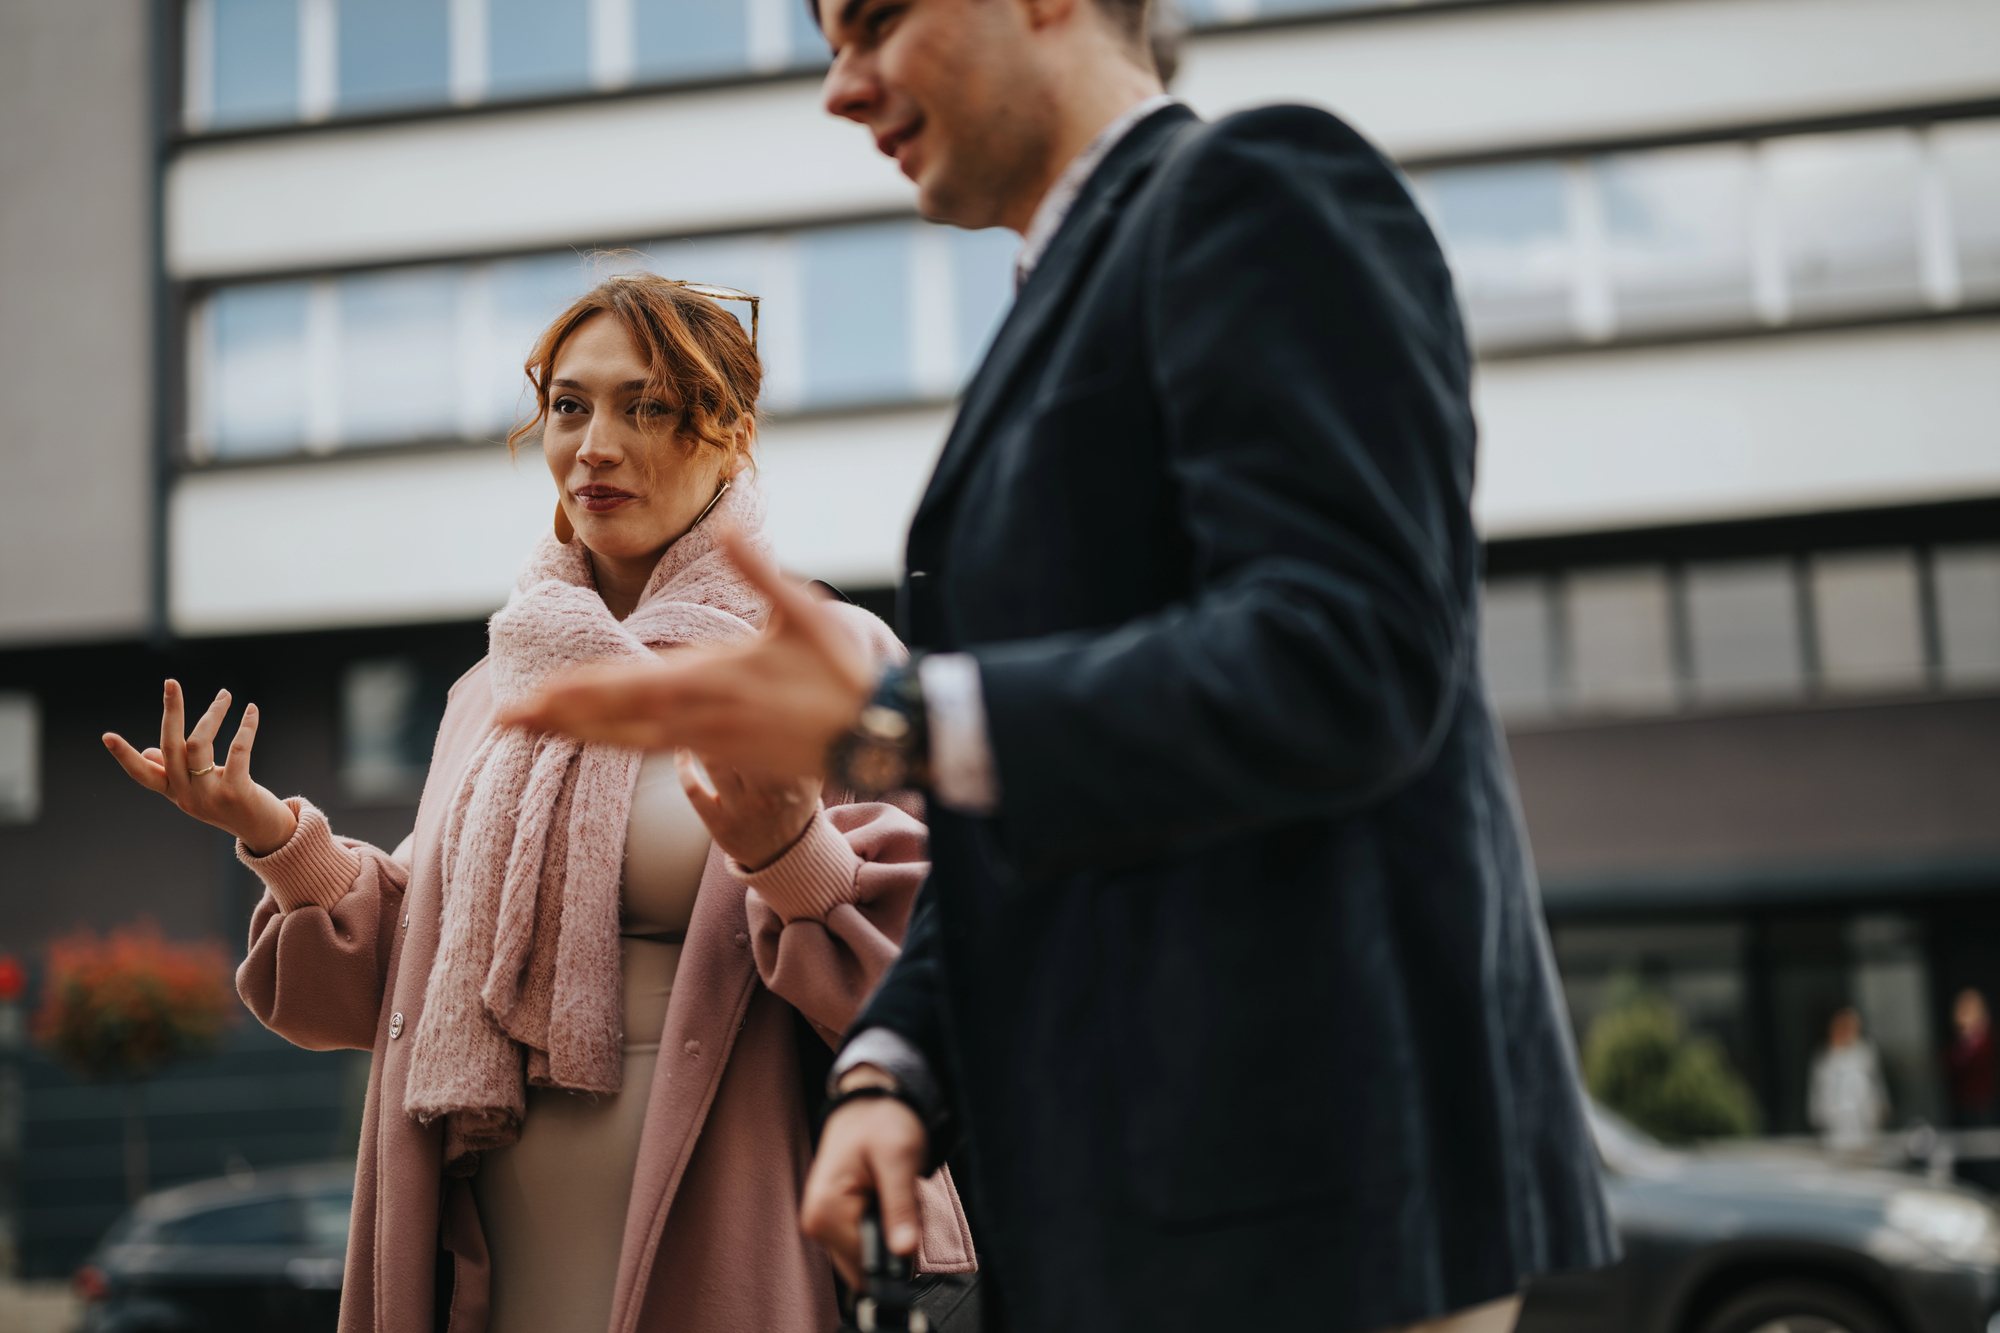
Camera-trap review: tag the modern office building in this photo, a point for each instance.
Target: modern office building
(268, 270)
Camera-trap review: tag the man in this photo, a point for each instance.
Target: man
(1229, 986)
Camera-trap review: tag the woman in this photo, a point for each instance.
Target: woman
(582, 976)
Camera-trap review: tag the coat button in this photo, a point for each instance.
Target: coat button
(692, 1048)
(741, 939)
(395, 1026)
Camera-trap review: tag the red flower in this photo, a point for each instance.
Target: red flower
(123, 1006)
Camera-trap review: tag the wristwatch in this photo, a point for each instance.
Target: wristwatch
(888, 748)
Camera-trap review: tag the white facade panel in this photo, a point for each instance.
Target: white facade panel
(694, 162)
(1419, 84)
(428, 537)
(1719, 430)
(1506, 75)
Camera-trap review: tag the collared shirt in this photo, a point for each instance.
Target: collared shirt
(963, 775)
(1056, 204)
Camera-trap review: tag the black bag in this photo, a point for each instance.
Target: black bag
(894, 1299)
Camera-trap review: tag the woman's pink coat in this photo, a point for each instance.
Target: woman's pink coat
(341, 947)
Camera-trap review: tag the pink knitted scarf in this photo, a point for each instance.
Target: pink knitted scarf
(525, 986)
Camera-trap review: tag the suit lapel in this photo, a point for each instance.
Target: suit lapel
(1047, 294)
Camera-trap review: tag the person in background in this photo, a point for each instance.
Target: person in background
(1230, 981)
(1847, 1102)
(599, 986)
(1969, 1061)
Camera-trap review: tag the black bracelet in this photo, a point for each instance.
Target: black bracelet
(871, 1091)
(889, 747)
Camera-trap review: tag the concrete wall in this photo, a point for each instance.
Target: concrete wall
(1707, 809)
(75, 320)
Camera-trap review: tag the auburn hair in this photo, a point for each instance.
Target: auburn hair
(700, 363)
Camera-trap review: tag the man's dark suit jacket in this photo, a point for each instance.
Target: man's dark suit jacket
(1243, 1002)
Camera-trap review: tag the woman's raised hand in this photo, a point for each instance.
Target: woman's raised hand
(184, 770)
(754, 819)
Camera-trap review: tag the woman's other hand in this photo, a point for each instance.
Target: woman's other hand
(755, 820)
(184, 770)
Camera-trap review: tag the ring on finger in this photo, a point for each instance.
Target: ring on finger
(197, 772)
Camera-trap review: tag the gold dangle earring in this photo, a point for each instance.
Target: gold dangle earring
(720, 491)
(564, 532)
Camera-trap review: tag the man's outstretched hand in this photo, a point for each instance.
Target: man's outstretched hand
(770, 707)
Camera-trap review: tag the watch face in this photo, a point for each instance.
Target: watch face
(874, 767)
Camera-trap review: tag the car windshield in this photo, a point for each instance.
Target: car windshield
(264, 1222)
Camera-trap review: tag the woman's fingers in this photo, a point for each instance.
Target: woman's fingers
(238, 765)
(173, 730)
(210, 722)
(142, 769)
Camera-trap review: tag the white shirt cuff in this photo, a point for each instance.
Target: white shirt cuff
(963, 777)
(890, 1052)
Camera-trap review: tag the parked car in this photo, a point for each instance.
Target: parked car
(1743, 1240)
(258, 1253)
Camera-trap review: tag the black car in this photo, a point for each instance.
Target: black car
(244, 1254)
(1764, 1240)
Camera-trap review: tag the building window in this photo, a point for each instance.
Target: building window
(1659, 638)
(1517, 640)
(1743, 630)
(263, 62)
(857, 297)
(683, 38)
(1867, 611)
(393, 54)
(1967, 158)
(1507, 229)
(1620, 651)
(1967, 580)
(251, 392)
(536, 46)
(1847, 207)
(20, 759)
(1798, 228)
(255, 62)
(1677, 234)
(389, 714)
(398, 355)
(881, 312)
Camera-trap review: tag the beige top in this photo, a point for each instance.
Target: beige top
(553, 1204)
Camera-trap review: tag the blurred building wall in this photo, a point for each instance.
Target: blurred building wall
(1731, 269)
(76, 279)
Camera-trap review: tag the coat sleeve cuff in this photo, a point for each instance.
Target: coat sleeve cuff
(311, 869)
(816, 874)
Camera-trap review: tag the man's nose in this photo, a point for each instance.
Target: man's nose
(849, 89)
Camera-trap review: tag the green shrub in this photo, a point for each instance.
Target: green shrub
(1639, 1061)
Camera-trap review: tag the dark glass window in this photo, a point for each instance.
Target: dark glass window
(394, 53)
(537, 45)
(856, 282)
(1506, 231)
(256, 384)
(687, 37)
(256, 61)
